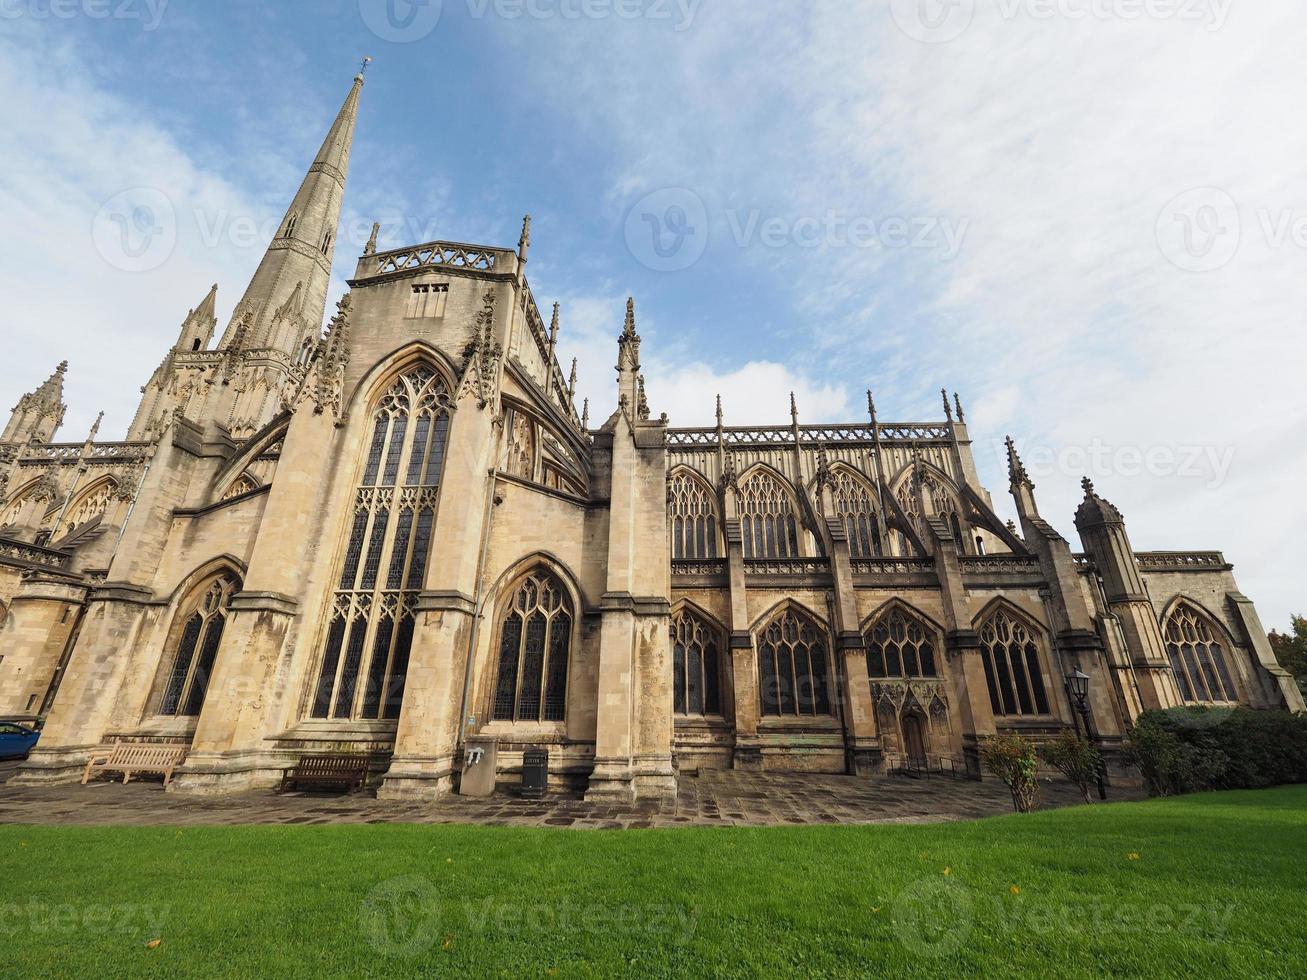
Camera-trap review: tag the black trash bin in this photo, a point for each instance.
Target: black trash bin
(535, 770)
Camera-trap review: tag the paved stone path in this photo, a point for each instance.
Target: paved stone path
(709, 799)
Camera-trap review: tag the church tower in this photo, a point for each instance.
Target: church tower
(39, 413)
(280, 315)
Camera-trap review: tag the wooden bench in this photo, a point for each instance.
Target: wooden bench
(349, 770)
(133, 758)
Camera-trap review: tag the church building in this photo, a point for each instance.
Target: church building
(400, 533)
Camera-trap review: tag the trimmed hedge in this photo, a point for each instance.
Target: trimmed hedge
(1187, 750)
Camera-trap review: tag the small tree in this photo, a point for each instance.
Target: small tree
(1075, 758)
(1012, 758)
(1291, 651)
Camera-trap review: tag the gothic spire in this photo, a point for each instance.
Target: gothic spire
(948, 409)
(571, 383)
(304, 245)
(1016, 470)
(39, 413)
(957, 403)
(628, 357)
(197, 328)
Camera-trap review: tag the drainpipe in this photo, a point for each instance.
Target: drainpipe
(478, 600)
(837, 670)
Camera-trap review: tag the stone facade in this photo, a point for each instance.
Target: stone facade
(399, 533)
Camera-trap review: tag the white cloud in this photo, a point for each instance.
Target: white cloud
(1061, 141)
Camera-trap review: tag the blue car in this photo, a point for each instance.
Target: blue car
(16, 741)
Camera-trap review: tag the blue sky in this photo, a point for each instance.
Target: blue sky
(1089, 223)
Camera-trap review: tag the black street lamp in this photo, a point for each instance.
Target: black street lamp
(1077, 685)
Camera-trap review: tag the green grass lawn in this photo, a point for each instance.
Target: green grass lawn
(1205, 885)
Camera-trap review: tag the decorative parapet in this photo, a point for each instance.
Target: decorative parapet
(64, 453)
(786, 566)
(1182, 561)
(32, 556)
(449, 255)
(1168, 561)
(699, 566)
(893, 566)
(999, 563)
(755, 436)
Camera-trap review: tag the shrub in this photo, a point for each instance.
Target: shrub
(1186, 750)
(1074, 758)
(1012, 758)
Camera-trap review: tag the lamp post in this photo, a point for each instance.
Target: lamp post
(1077, 685)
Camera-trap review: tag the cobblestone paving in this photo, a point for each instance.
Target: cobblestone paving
(710, 799)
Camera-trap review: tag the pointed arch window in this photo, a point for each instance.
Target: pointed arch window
(901, 645)
(535, 640)
(370, 627)
(692, 517)
(1010, 651)
(941, 500)
(197, 649)
(857, 512)
(793, 667)
(1197, 657)
(291, 222)
(93, 504)
(696, 666)
(767, 519)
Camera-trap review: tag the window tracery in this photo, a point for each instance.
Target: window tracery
(901, 645)
(692, 517)
(197, 649)
(535, 641)
(370, 629)
(767, 519)
(1010, 652)
(696, 665)
(857, 512)
(1197, 657)
(793, 667)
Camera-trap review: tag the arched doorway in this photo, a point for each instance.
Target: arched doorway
(914, 740)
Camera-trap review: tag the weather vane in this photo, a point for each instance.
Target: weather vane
(367, 60)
